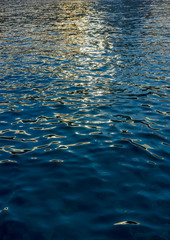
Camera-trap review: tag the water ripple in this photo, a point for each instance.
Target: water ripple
(84, 120)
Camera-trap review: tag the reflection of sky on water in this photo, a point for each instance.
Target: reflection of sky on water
(62, 30)
(101, 41)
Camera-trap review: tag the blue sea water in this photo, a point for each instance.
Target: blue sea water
(84, 120)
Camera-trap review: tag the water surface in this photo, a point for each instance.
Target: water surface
(84, 120)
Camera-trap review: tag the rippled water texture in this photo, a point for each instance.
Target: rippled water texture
(84, 120)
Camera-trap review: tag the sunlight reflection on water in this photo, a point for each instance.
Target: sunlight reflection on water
(84, 119)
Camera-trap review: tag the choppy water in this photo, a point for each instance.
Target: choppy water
(84, 120)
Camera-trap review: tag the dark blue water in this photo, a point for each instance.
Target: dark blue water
(84, 120)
